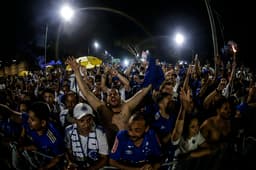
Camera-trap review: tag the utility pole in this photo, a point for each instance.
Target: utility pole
(213, 30)
(45, 43)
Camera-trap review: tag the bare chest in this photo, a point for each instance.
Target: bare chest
(120, 121)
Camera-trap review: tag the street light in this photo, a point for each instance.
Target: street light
(66, 12)
(96, 45)
(213, 30)
(179, 39)
(69, 11)
(45, 44)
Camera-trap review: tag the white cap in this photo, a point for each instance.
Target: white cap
(81, 110)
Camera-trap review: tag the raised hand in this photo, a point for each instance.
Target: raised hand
(73, 63)
(185, 98)
(222, 84)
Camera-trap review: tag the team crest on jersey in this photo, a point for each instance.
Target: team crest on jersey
(157, 116)
(128, 152)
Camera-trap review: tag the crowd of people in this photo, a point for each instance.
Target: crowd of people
(146, 116)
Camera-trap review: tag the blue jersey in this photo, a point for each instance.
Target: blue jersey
(161, 125)
(125, 151)
(50, 143)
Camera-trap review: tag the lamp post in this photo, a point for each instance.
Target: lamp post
(66, 11)
(96, 45)
(179, 40)
(213, 30)
(45, 44)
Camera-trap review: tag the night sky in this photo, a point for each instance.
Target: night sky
(159, 18)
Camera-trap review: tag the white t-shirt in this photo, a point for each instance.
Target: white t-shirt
(99, 142)
(189, 144)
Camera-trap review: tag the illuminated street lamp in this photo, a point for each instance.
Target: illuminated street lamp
(66, 12)
(96, 45)
(179, 39)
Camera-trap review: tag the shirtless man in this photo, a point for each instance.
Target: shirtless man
(114, 114)
(215, 129)
(217, 133)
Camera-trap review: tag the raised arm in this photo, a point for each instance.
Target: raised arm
(6, 109)
(122, 78)
(104, 79)
(197, 65)
(91, 98)
(227, 89)
(207, 83)
(186, 80)
(15, 116)
(214, 95)
(128, 71)
(178, 129)
(135, 100)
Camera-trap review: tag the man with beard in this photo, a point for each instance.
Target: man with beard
(113, 114)
(163, 121)
(41, 145)
(137, 147)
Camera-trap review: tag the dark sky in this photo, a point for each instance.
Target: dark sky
(159, 18)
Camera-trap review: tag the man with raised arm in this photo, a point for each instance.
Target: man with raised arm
(114, 114)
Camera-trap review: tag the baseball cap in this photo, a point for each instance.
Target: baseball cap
(81, 110)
